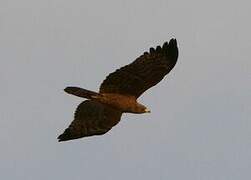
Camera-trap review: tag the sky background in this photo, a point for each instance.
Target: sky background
(199, 127)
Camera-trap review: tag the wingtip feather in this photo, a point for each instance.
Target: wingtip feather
(167, 46)
(173, 42)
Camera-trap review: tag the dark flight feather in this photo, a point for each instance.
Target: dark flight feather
(145, 72)
(91, 118)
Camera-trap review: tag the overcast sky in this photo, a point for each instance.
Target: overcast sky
(199, 127)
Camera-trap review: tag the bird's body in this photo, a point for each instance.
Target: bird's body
(123, 103)
(119, 92)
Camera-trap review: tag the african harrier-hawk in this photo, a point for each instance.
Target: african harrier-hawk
(119, 92)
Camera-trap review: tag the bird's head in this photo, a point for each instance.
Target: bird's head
(146, 110)
(141, 109)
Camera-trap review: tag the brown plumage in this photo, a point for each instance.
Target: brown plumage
(119, 92)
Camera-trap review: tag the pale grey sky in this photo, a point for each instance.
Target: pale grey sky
(199, 127)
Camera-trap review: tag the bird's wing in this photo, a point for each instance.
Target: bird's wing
(145, 72)
(91, 118)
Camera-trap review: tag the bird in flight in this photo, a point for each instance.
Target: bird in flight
(118, 93)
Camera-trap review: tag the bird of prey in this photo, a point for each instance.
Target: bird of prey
(118, 93)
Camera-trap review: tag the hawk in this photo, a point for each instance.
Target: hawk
(118, 93)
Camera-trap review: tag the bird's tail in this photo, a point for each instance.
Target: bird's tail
(81, 92)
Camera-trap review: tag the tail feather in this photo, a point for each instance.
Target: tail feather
(81, 92)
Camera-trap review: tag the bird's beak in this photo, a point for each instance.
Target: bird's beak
(147, 110)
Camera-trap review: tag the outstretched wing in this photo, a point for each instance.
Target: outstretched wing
(145, 72)
(91, 118)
